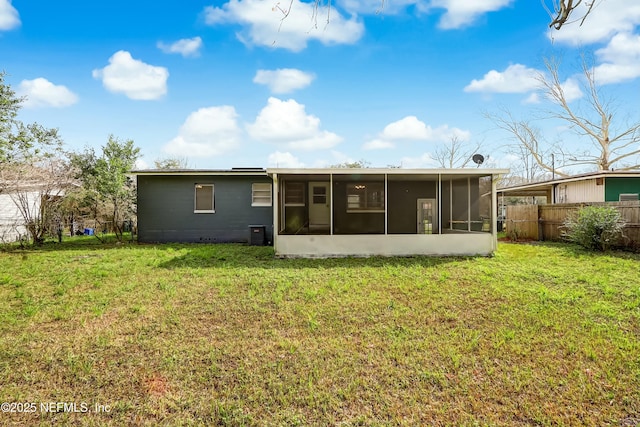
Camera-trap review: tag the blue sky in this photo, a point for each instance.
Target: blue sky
(230, 84)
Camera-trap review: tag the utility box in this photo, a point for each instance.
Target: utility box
(257, 235)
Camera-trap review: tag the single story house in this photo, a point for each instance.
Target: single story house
(602, 186)
(324, 212)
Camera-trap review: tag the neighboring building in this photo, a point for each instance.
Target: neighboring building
(213, 206)
(11, 221)
(324, 212)
(603, 186)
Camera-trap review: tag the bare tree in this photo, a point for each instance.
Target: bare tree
(562, 10)
(612, 144)
(615, 145)
(37, 189)
(531, 148)
(456, 153)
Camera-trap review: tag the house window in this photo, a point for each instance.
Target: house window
(365, 197)
(204, 200)
(294, 194)
(628, 197)
(260, 194)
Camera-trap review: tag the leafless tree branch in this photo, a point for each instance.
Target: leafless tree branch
(456, 154)
(564, 9)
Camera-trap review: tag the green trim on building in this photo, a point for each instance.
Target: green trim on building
(614, 186)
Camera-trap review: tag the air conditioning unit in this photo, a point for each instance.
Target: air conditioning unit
(628, 197)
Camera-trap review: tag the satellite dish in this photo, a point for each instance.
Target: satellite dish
(478, 159)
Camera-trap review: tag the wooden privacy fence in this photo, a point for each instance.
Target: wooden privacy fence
(522, 221)
(544, 222)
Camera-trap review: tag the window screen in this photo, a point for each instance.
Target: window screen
(366, 196)
(204, 198)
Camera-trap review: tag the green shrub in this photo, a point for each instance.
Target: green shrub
(595, 227)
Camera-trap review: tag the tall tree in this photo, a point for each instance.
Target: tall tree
(20, 142)
(456, 153)
(358, 164)
(171, 163)
(32, 167)
(607, 140)
(106, 181)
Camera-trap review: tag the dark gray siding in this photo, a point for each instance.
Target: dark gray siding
(166, 205)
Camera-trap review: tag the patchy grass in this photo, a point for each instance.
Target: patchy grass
(227, 335)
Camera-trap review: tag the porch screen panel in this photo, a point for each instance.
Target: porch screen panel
(359, 206)
(294, 209)
(460, 204)
(484, 206)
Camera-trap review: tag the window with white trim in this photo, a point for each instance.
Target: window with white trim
(203, 199)
(365, 197)
(260, 194)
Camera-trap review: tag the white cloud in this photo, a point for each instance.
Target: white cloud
(337, 158)
(207, 132)
(263, 24)
(516, 78)
(606, 19)
(41, 92)
(141, 164)
(423, 161)
(571, 89)
(133, 77)
(288, 124)
(461, 13)
(378, 7)
(533, 98)
(9, 17)
(621, 59)
(185, 47)
(410, 128)
(283, 80)
(378, 144)
(284, 160)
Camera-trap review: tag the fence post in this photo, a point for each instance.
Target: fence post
(540, 227)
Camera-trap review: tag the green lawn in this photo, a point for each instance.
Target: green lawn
(228, 335)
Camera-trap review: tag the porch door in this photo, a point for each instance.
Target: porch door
(319, 201)
(427, 216)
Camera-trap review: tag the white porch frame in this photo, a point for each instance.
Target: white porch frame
(330, 245)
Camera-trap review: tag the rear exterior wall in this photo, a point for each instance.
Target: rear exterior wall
(166, 209)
